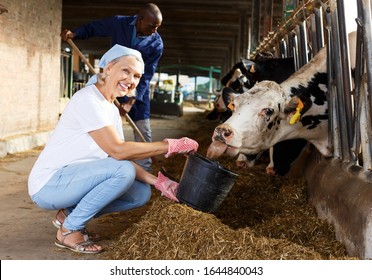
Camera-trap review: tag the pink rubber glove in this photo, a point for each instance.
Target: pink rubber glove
(166, 186)
(181, 146)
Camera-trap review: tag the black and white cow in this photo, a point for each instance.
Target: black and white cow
(266, 114)
(246, 73)
(241, 78)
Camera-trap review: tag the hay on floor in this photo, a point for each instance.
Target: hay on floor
(178, 232)
(263, 217)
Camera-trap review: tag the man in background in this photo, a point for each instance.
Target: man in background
(137, 32)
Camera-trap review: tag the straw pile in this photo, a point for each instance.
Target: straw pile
(262, 218)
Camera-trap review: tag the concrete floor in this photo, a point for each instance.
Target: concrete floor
(26, 231)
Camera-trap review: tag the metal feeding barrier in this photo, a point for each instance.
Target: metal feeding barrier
(302, 35)
(338, 187)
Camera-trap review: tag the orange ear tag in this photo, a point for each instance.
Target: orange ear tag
(297, 116)
(230, 106)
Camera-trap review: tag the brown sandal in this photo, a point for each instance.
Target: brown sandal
(78, 247)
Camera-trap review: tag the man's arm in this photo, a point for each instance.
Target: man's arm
(97, 28)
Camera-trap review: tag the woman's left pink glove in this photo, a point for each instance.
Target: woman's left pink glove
(166, 186)
(181, 146)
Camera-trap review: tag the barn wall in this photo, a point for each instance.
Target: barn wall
(30, 76)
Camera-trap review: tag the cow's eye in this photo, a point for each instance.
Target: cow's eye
(269, 111)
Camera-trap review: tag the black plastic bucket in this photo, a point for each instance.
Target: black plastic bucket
(204, 184)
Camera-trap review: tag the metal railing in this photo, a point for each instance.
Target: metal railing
(301, 36)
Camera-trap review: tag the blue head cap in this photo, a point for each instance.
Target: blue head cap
(115, 52)
(118, 51)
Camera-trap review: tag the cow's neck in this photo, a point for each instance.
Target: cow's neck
(310, 82)
(317, 136)
(306, 73)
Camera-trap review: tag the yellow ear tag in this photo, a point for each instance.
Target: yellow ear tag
(296, 117)
(230, 106)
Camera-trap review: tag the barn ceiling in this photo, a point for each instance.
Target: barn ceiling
(197, 34)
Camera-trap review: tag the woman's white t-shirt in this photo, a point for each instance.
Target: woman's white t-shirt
(71, 142)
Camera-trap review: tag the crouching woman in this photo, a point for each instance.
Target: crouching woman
(87, 169)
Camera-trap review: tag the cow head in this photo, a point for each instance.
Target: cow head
(245, 74)
(260, 119)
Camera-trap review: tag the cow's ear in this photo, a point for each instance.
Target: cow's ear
(252, 70)
(248, 64)
(228, 96)
(250, 67)
(303, 101)
(297, 106)
(291, 106)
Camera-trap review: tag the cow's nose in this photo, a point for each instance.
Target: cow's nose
(223, 133)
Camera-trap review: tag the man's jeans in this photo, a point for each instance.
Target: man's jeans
(145, 129)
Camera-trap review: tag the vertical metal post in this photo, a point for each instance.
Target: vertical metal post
(317, 33)
(303, 43)
(238, 40)
(210, 79)
(295, 51)
(364, 11)
(289, 39)
(358, 103)
(319, 27)
(333, 128)
(342, 116)
(256, 16)
(249, 48)
(313, 36)
(268, 16)
(340, 106)
(283, 49)
(346, 77)
(195, 88)
(70, 76)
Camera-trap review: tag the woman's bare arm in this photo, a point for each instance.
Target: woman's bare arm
(109, 141)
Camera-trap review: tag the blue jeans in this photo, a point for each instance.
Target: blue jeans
(91, 189)
(144, 127)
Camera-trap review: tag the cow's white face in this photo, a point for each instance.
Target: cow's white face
(256, 117)
(261, 118)
(255, 120)
(269, 113)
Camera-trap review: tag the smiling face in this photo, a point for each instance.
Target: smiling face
(122, 76)
(148, 21)
(148, 25)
